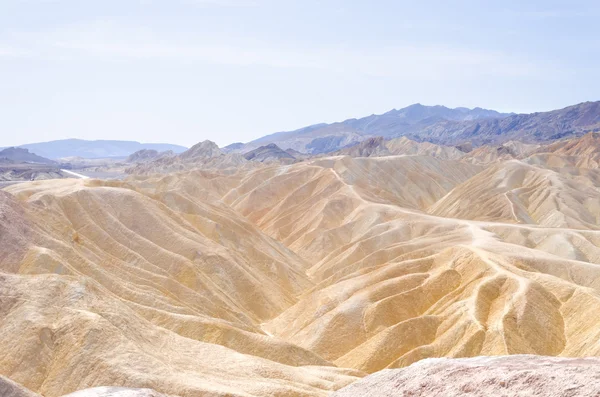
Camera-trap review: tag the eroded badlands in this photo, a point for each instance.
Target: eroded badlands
(296, 279)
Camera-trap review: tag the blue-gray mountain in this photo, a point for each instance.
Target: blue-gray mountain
(438, 124)
(20, 155)
(95, 149)
(270, 152)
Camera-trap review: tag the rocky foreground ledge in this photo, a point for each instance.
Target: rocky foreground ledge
(505, 376)
(502, 376)
(8, 388)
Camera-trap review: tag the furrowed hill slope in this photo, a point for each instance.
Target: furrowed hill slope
(395, 284)
(418, 285)
(517, 192)
(294, 280)
(582, 152)
(313, 207)
(146, 292)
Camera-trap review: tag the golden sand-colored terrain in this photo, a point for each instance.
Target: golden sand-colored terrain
(296, 280)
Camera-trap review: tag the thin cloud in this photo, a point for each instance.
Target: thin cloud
(223, 3)
(108, 40)
(10, 52)
(554, 13)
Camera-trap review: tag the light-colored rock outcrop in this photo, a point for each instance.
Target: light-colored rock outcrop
(517, 375)
(8, 388)
(116, 392)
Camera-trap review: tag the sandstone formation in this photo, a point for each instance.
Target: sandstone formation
(376, 147)
(103, 285)
(581, 153)
(515, 192)
(205, 155)
(406, 146)
(492, 154)
(296, 279)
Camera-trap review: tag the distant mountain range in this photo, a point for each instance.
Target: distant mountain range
(95, 149)
(20, 155)
(461, 127)
(437, 124)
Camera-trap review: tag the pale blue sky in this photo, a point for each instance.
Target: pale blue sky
(182, 71)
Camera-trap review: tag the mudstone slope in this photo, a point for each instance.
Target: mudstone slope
(297, 279)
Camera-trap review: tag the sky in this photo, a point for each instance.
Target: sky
(182, 71)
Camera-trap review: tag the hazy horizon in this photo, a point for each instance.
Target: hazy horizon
(234, 70)
(268, 133)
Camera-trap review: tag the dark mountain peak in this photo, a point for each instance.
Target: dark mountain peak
(268, 152)
(374, 146)
(372, 142)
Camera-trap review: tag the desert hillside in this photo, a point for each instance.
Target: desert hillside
(207, 273)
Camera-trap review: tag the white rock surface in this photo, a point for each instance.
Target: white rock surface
(504, 376)
(116, 392)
